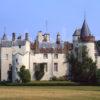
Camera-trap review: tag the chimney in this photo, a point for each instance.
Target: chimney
(26, 36)
(58, 38)
(13, 36)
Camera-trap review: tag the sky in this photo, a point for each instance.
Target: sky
(64, 16)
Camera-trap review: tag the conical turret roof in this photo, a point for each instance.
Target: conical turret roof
(85, 31)
(4, 36)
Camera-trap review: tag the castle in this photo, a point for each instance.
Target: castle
(52, 55)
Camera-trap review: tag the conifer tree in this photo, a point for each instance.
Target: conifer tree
(82, 71)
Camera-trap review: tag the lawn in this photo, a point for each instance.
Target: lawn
(50, 93)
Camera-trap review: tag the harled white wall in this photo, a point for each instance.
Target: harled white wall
(6, 60)
(62, 66)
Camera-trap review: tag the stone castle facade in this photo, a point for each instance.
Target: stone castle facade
(52, 55)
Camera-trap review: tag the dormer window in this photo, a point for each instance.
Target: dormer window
(45, 56)
(16, 60)
(19, 46)
(56, 56)
(56, 67)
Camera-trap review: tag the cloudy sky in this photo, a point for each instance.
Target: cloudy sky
(62, 16)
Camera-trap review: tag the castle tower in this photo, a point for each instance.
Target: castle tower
(40, 36)
(76, 37)
(87, 40)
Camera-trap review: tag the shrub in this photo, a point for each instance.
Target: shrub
(98, 75)
(54, 78)
(62, 78)
(24, 75)
(39, 71)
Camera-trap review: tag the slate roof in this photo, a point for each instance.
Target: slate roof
(19, 42)
(85, 31)
(77, 32)
(4, 37)
(7, 43)
(50, 45)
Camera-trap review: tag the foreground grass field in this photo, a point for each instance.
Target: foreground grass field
(50, 93)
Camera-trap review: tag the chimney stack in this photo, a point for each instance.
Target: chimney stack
(26, 36)
(13, 36)
(58, 38)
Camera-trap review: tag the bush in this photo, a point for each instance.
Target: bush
(54, 78)
(24, 75)
(98, 75)
(62, 78)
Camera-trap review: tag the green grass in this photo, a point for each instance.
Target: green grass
(50, 93)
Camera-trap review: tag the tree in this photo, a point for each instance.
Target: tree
(98, 46)
(98, 43)
(82, 71)
(39, 71)
(24, 75)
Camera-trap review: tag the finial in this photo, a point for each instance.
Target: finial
(84, 15)
(4, 29)
(46, 26)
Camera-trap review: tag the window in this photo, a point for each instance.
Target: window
(46, 67)
(34, 65)
(17, 61)
(16, 69)
(19, 46)
(45, 56)
(10, 67)
(56, 56)
(96, 55)
(56, 67)
(7, 56)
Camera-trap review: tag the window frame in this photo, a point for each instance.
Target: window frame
(56, 56)
(7, 56)
(46, 67)
(55, 67)
(20, 46)
(45, 56)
